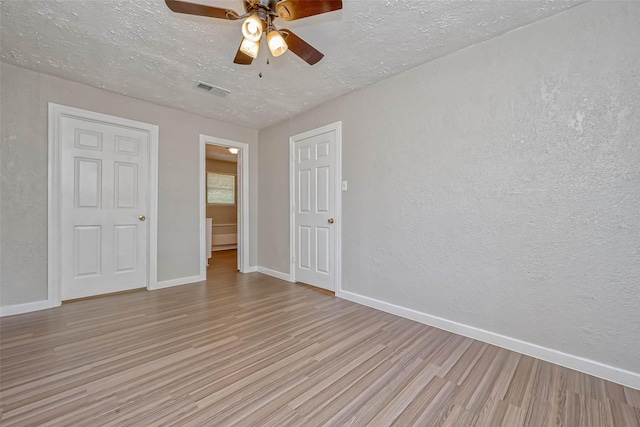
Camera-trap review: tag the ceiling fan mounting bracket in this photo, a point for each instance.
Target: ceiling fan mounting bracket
(267, 6)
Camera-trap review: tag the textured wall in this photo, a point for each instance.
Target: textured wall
(23, 189)
(498, 187)
(23, 223)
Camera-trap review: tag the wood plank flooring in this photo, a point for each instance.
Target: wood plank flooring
(251, 350)
(223, 262)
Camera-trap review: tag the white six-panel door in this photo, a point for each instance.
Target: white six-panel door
(315, 160)
(103, 207)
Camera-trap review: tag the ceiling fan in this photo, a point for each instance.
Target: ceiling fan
(259, 16)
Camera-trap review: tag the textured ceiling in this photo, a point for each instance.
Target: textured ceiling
(141, 49)
(216, 152)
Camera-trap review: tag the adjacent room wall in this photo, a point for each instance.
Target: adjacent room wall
(223, 214)
(498, 187)
(23, 190)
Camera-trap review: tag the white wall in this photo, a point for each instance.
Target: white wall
(23, 190)
(498, 187)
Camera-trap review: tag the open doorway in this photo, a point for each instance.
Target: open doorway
(221, 176)
(223, 205)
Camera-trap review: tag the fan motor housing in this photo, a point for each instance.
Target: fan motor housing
(269, 4)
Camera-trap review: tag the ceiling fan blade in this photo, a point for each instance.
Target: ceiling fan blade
(289, 10)
(304, 50)
(242, 58)
(179, 6)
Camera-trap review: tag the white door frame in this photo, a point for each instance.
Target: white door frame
(243, 199)
(337, 127)
(56, 113)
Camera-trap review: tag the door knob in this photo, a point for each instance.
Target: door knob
(142, 218)
(330, 220)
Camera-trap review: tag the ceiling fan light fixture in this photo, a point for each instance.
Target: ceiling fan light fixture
(250, 47)
(257, 21)
(276, 42)
(252, 28)
(233, 150)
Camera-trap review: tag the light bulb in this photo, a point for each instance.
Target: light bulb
(233, 150)
(252, 28)
(277, 45)
(250, 48)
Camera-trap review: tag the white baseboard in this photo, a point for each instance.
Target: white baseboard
(274, 273)
(176, 282)
(587, 366)
(251, 269)
(10, 310)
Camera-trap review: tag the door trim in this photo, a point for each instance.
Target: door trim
(243, 198)
(57, 112)
(337, 127)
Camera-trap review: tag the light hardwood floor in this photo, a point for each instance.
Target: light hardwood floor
(251, 350)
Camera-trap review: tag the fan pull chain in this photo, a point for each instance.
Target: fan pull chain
(260, 74)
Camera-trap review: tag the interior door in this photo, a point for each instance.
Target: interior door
(315, 209)
(103, 203)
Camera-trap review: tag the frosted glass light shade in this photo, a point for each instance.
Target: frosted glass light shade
(276, 42)
(250, 48)
(233, 150)
(252, 28)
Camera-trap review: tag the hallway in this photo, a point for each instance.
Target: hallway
(223, 262)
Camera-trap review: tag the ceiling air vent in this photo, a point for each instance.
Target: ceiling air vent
(213, 89)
